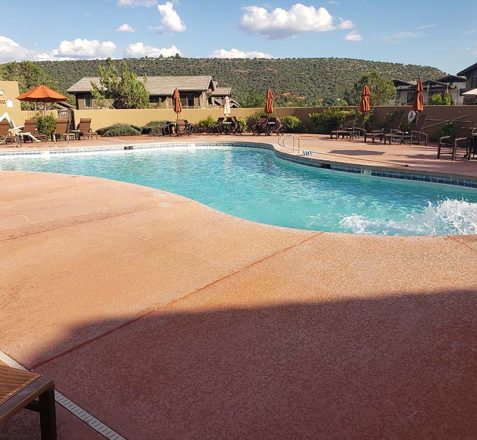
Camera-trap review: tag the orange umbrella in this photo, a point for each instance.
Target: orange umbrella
(269, 102)
(365, 103)
(177, 102)
(419, 98)
(41, 94)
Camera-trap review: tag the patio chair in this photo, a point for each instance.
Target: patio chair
(261, 127)
(61, 130)
(463, 139)
(30, 132)
(277, 127)
(183, 127)
(218, 127)
(23, 389)
(346, 128)
(236, 127)
(5, 136)
(414, 135)
(84, 129)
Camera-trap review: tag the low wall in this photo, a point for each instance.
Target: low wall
(436, 114)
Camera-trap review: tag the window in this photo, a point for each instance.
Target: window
(187, 99)
(88, 101)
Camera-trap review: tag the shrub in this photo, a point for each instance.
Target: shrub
(242, 123)
(119, 130)
(328, 120)
(153, 127)
(252, 120)
(447, 99)
(45, 124)
(291, 123)
(449, 129)
(206, 125)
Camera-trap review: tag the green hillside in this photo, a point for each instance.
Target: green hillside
(295, 81)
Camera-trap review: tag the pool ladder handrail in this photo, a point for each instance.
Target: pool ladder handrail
(296, 144)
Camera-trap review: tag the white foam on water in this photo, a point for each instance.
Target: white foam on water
(448, 217)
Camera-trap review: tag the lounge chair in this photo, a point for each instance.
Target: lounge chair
(183, 127)
(276, 125)
(462, 139)
(235, 127)
(417, 133)
(261, 126)
(346, 128)
(5, 135)
(84, 129)
(61, 130)
(218, 127)
(23, 389)
(30, 132)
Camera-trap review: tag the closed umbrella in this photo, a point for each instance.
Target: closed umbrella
(365, 103)
(419, 98)
(227, 109)
(177, 102)
(269, 102)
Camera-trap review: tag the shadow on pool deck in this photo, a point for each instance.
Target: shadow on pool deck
(396, 367)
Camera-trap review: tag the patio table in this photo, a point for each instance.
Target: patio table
(19, 389)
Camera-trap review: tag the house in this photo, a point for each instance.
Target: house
(449, 84)
(470, 94)
(196, 91)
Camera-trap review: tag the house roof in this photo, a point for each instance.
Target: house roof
(155, 85)
(463, 72)
(452, 78)
(221, 91)
(400, 82)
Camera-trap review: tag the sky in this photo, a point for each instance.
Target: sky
(435, 33)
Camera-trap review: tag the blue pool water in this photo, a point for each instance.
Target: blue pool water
(255, 185)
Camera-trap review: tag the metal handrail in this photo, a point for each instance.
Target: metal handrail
(296, 143)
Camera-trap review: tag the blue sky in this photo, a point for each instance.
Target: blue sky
(436, 33)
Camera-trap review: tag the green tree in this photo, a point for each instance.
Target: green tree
(27, 74)
(382, 90)
(121, 86)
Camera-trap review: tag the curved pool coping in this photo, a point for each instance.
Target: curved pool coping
(303, 159)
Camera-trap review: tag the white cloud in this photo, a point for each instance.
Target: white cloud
(403, 35)
(125, 28)
(170, 20)
(236, 53)
(10, 50)
(426, 26)
(87, 49)
(353, 36)
(134, 3)
(139, 50)
(280, 23)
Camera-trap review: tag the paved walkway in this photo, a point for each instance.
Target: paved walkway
(167, 319)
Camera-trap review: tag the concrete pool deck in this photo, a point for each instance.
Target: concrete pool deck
(167, 319)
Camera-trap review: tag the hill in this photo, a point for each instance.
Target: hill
(295, 81)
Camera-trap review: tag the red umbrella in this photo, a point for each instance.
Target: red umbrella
(419, 98)
(365, 103)
(177, 102)
(269, 102)
(41, 94)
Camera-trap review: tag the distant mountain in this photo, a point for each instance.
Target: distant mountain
(295, 81)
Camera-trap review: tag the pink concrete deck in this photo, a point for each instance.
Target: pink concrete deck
(167, 319)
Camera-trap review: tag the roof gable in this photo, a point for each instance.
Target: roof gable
(468, 69)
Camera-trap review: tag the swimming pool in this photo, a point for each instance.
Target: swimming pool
(256, 185)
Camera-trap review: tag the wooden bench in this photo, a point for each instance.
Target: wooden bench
(23, 389)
